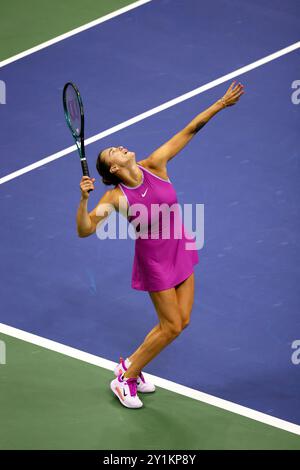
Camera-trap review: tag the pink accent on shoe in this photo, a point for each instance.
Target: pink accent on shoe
(142, 377)
(132, 386)
(123, 364)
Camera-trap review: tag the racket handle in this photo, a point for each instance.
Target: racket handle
(85, 169)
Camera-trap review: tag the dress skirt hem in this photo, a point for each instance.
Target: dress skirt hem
(186, 275)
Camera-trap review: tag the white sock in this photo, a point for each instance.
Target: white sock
(127, 363)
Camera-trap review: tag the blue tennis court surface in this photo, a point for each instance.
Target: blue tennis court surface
(244, 167)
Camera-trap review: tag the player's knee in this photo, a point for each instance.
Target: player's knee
(175, 331)
(172, 329)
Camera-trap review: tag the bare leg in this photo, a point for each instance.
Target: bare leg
(185, 298)
(149, 335)
(170, 326)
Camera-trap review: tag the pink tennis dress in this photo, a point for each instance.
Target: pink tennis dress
(161, 259)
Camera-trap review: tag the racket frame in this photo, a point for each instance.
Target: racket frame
(79, 138)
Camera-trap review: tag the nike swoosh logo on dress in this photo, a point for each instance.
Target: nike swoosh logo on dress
(144, 194)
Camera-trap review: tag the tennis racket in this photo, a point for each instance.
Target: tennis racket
(74, 114)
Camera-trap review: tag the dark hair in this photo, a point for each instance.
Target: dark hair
(103, 168)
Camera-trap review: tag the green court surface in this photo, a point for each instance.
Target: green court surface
(25, 24)
(51, 401)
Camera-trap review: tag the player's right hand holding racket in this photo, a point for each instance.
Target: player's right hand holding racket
(86, 185)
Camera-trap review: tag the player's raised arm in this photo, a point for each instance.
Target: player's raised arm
(160, 157)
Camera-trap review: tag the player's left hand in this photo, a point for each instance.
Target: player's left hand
(233, 94)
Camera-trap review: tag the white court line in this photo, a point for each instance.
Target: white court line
(153, 111)
(61, 37)
(163, 383)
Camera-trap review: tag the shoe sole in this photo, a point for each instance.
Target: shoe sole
(114, 390)
(150, 391)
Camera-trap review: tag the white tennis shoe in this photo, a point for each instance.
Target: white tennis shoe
(143, 385)
(126, 391)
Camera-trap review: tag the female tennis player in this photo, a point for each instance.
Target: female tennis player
(162, 266)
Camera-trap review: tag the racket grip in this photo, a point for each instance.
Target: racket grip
(85, 169)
